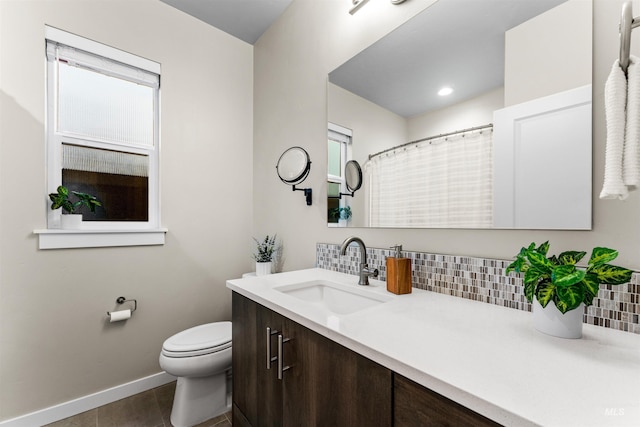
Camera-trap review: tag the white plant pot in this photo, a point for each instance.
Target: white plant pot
(549, 320)
(71, 221)
(263, 268)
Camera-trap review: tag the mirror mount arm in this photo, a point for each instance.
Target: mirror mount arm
(307, 192)
(339, 196)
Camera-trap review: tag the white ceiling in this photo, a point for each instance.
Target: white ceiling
(244, 19)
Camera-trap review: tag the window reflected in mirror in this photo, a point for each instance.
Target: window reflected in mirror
(338, 151)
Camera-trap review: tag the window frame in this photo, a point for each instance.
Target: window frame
(98, 233)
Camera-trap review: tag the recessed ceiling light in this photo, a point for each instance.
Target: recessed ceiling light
(445, 91)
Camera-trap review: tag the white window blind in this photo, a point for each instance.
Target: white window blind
(87, 60)
(102, 99)
(339, 137)
(88, 159)
(444, 182)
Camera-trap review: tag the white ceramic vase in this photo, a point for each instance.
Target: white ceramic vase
(263, 268)
(71, 221)
(551, 321)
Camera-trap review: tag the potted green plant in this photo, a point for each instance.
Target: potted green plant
(345, 213)
(264, 254)
(334, 214)
(61, 199)
(559, 280)
(340, 215)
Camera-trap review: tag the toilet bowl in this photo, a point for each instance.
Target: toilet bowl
(201, 359)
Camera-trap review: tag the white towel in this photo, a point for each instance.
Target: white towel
(615, 100)
(631, 153)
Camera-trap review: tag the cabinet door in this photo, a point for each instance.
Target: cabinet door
(244, 366)
(257, 392)
(330, 385)
(269, 398)
(325, 385)
(418, 406)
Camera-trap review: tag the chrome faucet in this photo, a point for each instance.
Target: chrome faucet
(365, 271)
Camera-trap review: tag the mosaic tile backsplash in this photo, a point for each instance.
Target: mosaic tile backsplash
(480, 279)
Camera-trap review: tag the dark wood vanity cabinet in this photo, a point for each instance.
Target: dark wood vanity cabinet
(326, 384)
(417, 406)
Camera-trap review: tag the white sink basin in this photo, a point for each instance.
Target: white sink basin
(334, 297)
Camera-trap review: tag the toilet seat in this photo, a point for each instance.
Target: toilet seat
(199, 340)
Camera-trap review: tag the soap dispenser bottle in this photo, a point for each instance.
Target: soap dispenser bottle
(398, 272)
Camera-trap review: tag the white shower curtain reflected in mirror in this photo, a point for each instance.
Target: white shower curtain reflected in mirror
(445, 182)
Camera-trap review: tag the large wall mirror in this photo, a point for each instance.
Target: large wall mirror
(472, 114)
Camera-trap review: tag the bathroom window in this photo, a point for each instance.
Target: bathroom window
(103, 131)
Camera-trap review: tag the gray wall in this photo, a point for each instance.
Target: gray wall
(54, 343)
(291, 63)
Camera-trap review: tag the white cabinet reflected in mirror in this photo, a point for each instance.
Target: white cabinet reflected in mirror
(509, 146)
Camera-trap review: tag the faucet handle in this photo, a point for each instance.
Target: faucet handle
(398, 249)
(365, 273)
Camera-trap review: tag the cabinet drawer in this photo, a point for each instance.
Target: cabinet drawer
(418, 406)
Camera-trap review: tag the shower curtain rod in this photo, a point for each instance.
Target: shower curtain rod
(430, 138)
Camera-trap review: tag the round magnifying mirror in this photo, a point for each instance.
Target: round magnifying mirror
(353, 176)
(294, 165)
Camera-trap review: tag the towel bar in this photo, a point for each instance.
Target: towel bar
(627, 23)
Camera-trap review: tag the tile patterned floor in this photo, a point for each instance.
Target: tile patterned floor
(151, 408)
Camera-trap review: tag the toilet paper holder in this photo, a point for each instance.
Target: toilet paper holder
(122, 300)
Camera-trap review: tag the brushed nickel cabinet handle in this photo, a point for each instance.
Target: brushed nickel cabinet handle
(281, 367)
(270, 359)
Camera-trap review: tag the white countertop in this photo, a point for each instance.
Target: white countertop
(485, 357)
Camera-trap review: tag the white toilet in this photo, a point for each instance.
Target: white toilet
(201, 359)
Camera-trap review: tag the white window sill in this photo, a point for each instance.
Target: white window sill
(64, 239)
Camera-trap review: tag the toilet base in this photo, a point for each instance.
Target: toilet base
(199, 399)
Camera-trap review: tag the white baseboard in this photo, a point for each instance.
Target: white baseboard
(86, 403)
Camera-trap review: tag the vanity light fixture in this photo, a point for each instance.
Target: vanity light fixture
(447, 90)
(357, 4)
